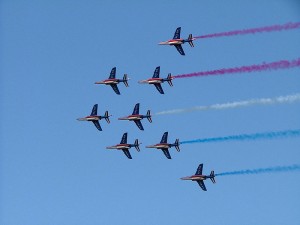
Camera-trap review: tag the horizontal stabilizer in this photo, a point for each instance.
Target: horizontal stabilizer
(125, 80)
(176, 144)
(137, 145)
(106, 116)
(190, 40)
(149, 116)
(212, 176)
(169, 79)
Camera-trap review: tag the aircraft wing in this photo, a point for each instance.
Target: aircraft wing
(159, 88)
(127, 153)
(94, 110)
(97, 125)
(164, 138)
(124, 139)
(199, 170)
(116, 89)
(156, 72)
(179, 49)
(166, 152)
(112, 73)
(136, 109)
(139, 124)
(177, 33)
(201, 184)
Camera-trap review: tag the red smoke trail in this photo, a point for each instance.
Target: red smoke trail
(287, 26)
(283, 64)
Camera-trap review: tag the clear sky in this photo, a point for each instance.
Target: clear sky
(56, 170)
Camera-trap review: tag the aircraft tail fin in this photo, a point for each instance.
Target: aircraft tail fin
(125, 80)
(137, 145)
(212, 176)
(106, 116)
(149, 116)
(176, 144)
(169, 79)
(190, 40)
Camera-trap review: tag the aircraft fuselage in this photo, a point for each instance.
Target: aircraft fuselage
(119, 146)
(159, 146)
(195, 177)
(172, 42)
(89, 118)
(132, 117)
(155, 81)
(108, 81)
(152, 81)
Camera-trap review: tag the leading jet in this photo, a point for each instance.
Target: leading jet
(95, 118)
(112, 81)
(136, 117)
(177, 41)
(156, 80)
(200, 178)
(164, 145)
(125, 147)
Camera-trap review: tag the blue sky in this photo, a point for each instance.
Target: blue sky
(56, 170)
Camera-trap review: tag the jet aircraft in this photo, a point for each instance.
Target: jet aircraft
(125, 147)
(95, 118)
(200, 178)
(177, 41)
(136, 117)
(156, 80)
(112, 81)
(164, 145)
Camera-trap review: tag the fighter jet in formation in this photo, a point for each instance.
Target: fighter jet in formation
(95, 118)
(164, 145)
(177, 41)
(156, 80)
(200, 178)
(112, 81)
(125, 147)
(136, 117)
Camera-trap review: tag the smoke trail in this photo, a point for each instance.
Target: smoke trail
(263, 170)
(244, 137)
(287, 26)
(231, 105)
(282, 64)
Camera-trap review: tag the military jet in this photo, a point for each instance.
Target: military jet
(95, 118)
(112, 81)
(125, 147)
(156, 80)
(136, 117)
(200, 178)
(177, 41)
(164, 145)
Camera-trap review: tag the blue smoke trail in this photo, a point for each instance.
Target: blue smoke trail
(263, 170)
(243, 137)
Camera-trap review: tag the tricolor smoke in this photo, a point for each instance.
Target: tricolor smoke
(245, 137)
(263, 170)
(237, 104)
(282, 64)
(272, 28)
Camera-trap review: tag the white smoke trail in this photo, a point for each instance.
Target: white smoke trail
(231, 105)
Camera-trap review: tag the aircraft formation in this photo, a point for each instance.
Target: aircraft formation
(136, 117)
